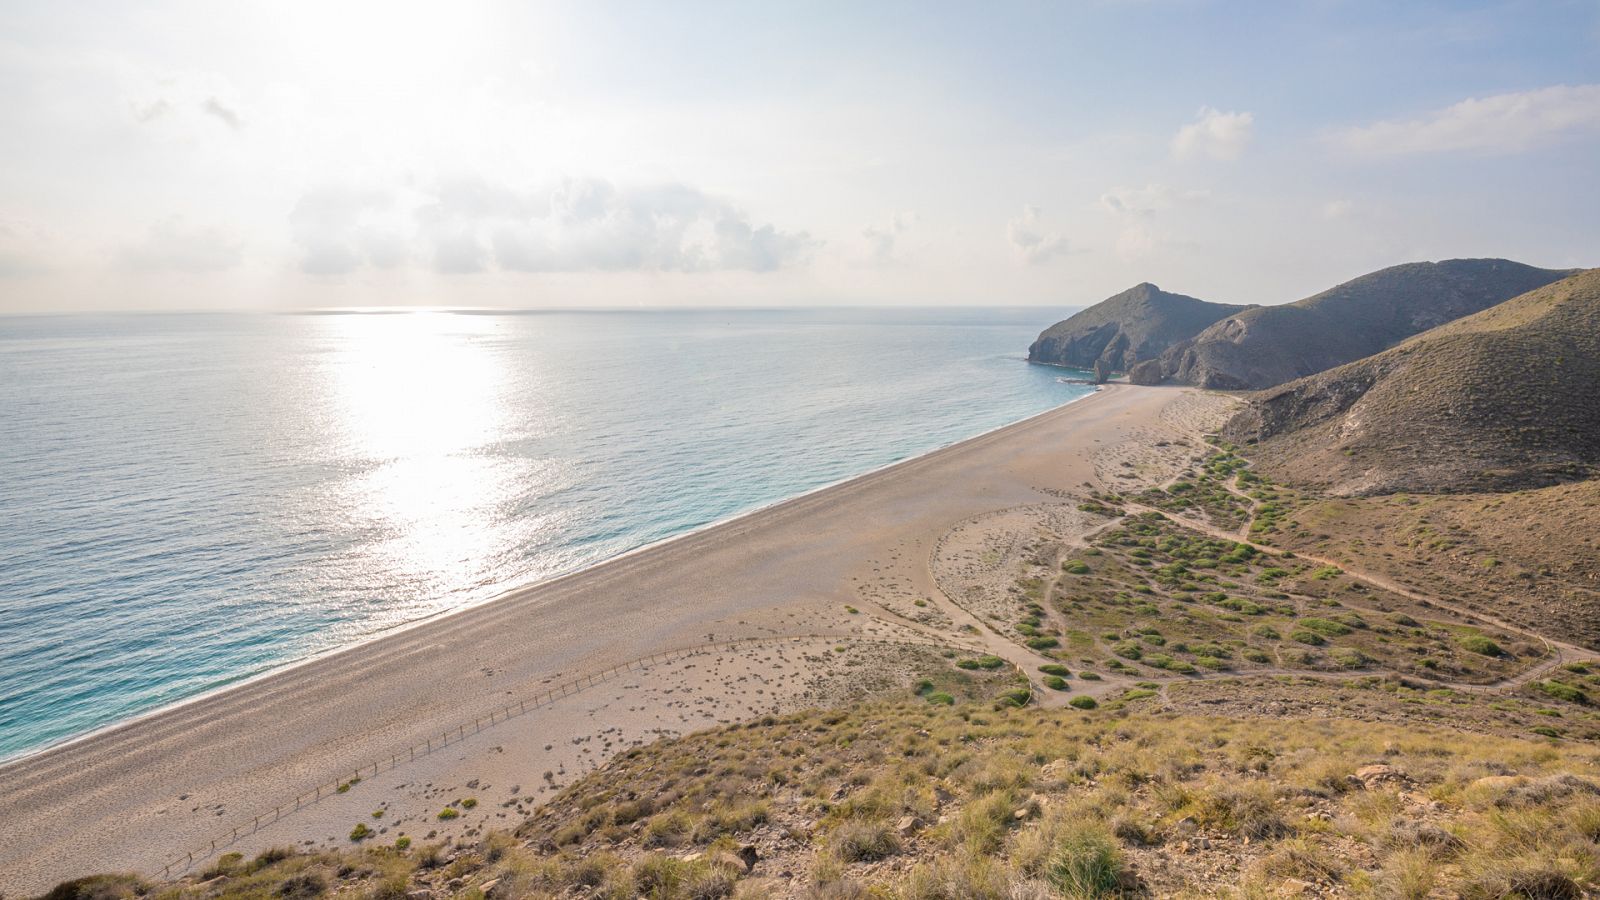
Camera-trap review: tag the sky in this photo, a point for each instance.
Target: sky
(284, 155)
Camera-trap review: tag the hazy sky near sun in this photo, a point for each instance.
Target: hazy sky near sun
(213, 155)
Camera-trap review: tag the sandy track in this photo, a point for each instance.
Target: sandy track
(129, 797)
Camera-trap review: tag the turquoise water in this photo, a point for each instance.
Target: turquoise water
(189, 500)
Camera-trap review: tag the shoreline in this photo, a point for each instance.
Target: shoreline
(289, 665)
(125, 797)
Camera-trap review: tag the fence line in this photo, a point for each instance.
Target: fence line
(499, 715)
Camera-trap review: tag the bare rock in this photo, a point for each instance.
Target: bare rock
(1374, 776)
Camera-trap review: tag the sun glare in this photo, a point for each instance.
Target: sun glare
(419, 404)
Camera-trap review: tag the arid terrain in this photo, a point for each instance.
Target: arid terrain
(1160, 674)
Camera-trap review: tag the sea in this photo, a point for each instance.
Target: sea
(190, 500)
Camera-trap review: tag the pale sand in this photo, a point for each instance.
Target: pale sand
(132, 797)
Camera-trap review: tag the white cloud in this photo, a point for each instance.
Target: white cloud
(1035, 244)
(1214, 135)
(1337, 209)
(1148, 200)
(227, 115)
(341, 229)
(881, 239)
(172, 246)
(1498, 124)
(186, 100)
(592, 225)
(469, 225)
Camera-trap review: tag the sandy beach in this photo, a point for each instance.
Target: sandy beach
(836, 593)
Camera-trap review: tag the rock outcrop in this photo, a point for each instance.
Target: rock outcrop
(1120, 331)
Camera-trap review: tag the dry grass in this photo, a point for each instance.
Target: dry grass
(908, 799)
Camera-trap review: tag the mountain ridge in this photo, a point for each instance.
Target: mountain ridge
(1126, 328)
(1265, 346)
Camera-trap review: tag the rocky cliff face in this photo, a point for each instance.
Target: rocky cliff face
(1121, 331)
(1269, 345)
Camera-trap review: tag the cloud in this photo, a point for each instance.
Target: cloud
(1214, 135)
(1337, 209)
(215, 108)
(149, 111)
(171, 246)
(186, 101)
(1497, 124)
(469, 225)
(342, 229)
(1033, 242)
(1148, 200)
(1138, 209)
(881, 239)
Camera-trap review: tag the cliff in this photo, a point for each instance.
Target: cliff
(1135, 325)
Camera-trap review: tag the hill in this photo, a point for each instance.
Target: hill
(1266, 346)
(1528, 557)
(1499, 400)
(918, 801)
(1135, 325)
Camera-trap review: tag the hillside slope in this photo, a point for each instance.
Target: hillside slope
(912, 801)
(1529, 557)
(1269, 345)
(1135, 325)
(1502, 399)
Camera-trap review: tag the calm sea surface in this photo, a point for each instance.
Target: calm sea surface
(189, 500)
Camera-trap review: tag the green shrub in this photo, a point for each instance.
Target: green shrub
(1307, 637)
(1086, 863)
(1056, 683)
(402, 842)
(1014, 697)
(1043, 642)
(982, 662)
(1075, 567)
(361, 832)
(1477, 643)
(448, 813)
(1083, 702)
(1324, 627)
(1561, 691)
(1351, 658)
(940, 697)
(1056, 669)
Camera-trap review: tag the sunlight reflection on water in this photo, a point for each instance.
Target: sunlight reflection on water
(192, 499)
